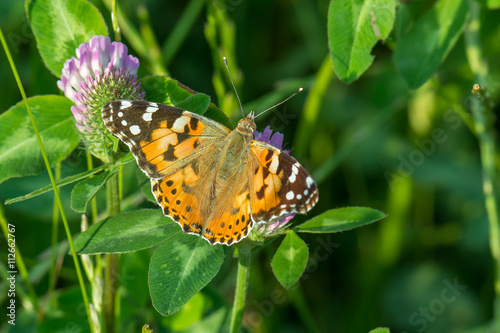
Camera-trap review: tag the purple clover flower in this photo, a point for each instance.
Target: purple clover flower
(81, 74)
(275, 226)
(101, 72)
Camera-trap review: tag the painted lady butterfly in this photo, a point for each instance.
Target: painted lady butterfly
(209, 179)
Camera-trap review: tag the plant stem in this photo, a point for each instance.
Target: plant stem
(483, 116)
(244, 258)
(52, 181)
(114, 21)
(111, 260)
(55, 229)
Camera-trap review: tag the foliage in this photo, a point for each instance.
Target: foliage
(398, 138)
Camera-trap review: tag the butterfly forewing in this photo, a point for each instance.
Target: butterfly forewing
(161, 136)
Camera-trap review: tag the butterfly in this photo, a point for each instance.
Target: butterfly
(212, 181)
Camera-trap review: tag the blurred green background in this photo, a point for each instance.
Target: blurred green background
(372, 143)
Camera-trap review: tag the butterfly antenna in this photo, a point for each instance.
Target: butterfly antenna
(272, 107)
(234, 87)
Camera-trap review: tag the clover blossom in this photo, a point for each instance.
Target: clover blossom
(101, 72)
(276, 225)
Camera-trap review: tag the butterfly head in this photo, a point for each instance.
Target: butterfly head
(247, 124)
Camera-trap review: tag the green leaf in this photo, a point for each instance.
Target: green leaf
(126, 232)
(85, 190)
(198, 103)
(179, 269)
(341, 219)
(60, 26)
(162, 89)
(380, 330)
(20, 153)
(216, 114)
(290, 260)
(419, 53)
(354, 27)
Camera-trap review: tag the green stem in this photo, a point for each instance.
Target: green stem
(114, 21)
(93, 202)
(483, 114)
(96, 284)
(484, 124)
(52, 181)
(473, 48)
(111, 260)
(244, 258)
(55, 236)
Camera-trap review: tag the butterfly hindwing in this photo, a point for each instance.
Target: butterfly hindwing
(231, 220)
(189, 198)
(174, 193)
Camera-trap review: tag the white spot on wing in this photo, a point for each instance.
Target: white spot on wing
(292, 178)
(179, 124)
(299, 196)
(309, 181)
(147, 116)
(306, 192)
(124, 122)
(151, 109)
(120, 114)
(295, 170)
(125, 104)
(290, 195)
(134, 129)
